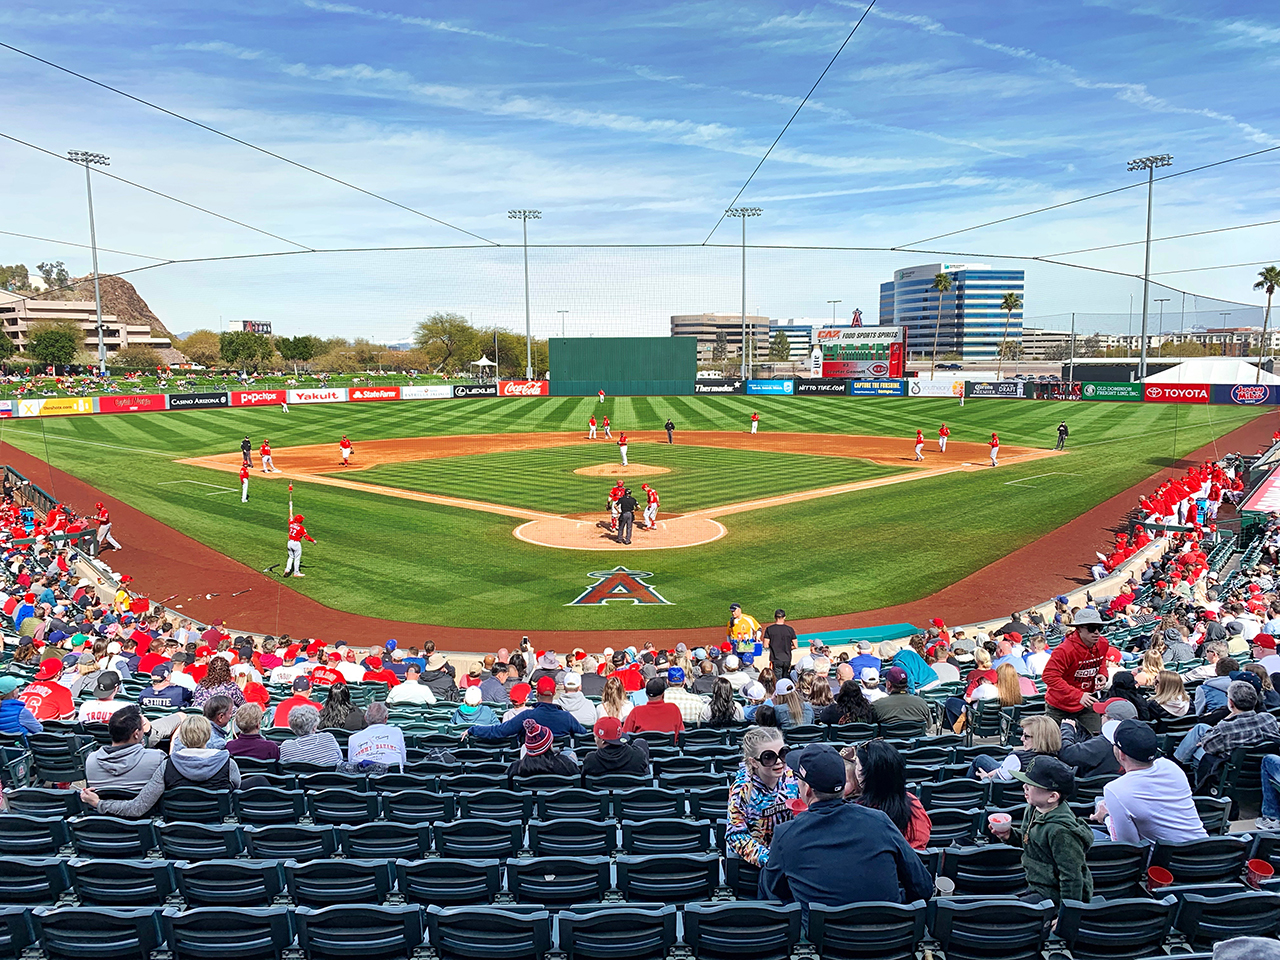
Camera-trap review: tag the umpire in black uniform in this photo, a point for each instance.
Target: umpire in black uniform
(671, 429)
(627, 517)
(246, 446)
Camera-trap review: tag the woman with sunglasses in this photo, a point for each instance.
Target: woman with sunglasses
(876, 776)
(759, 794)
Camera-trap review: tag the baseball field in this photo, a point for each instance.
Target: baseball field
(824, 510)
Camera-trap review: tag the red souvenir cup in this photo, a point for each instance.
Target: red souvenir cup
(1258, 871)
(1158, 877)
(796, 805)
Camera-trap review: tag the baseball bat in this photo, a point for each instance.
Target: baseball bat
(238, 592)
(168, 598)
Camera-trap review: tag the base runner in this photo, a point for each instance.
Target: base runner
(344, 447)
(994, 444)
(244, 483)
(297, 533)
(622, 447)
(650, 511)
(264, 452)
(104, 528)
(614, 496)
(943, 433)
(919, 444)
(591, 427)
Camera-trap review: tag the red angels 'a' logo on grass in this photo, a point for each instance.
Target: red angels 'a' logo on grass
(618, 584)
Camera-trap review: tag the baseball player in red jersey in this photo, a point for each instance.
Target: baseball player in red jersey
(614, 496)
(244, 483)
(297, 533)
(344, 446)
(591, 427)
(104, 528)
(264, 451)
(943, 433)
(622, 447)
(755, 420)
(602, 396)
(651, 511)
(994, 444)
(919, 444)
(608, 433)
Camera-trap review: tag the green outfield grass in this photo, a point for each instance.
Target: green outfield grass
(544, 479)
(412, 561)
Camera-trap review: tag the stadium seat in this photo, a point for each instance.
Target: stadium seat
(708, 803)
(984, 928)
(988, 871)
(449, 883)
(643, 803)
(679, 782)
(195, 805)
(326, 883)
(265, 806)
(496, 804)
(96, 933)
(282, 842)
(332, 780)
(558, 881)
(867, 931)
(221, 933)
(903, 730)
(33, 880)
(746, 930)
(470, 932)
(957, 794)
(41, 802)
(366, 932)
(475, 782)
(58, 757)
(196, 841)
(703, 735)
(98, 836)
(851, 732)
(387, 841)
(1204, 920)
(252, 766)
(803, 733)
(16, 933)
(954, 826)
(391, 782)
(1211, 860)
(1119, 929)
(1215, 814)
(665, 836)
(1089, 789)
(678, 878)
(616, 781)
(229, 883)
(620, 931)
(482, 839)
(574, 802)
(545, 781)
(419, 806)
(571, 838)
(1118, 868)
(121, 883)
(741, 876)
(337, 805)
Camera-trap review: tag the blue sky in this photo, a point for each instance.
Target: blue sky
(634, 124)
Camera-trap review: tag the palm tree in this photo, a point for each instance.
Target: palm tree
(1269, 280)
(1010, 303)
(941, 283)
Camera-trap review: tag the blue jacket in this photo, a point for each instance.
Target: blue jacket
(551, 715)
(16, 718)
(837, 853)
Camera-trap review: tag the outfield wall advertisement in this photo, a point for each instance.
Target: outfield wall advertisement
(782, 388)
(475, 389)
(524, 388)
(258, 398)
(857, 352)
(1175, 392)
(935, 388)
(198, 401)
(321, 395)
(131, 404)
(876, 388)
(433, 391)
(1244, 394)
(822, 388)
(717, 386)
(1007, 389)
(1121, 392)
(373, 393)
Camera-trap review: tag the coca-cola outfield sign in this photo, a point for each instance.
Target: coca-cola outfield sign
(374, 393)
(524, 388)
(322, 395)
(1175, 392)
(257, 398)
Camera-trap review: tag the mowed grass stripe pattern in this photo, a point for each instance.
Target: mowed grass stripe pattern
(544, 479)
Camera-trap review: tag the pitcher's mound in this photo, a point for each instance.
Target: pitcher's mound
(618, 470)
(567, 533)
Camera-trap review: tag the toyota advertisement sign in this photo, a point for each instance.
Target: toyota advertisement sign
(1175, 392)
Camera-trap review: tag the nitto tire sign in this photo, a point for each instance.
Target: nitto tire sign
(823, 388)
(717, 386)
(198, 401)
(476, 390)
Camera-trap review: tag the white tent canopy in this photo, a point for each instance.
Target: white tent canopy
(1213, 370)
(483, 362)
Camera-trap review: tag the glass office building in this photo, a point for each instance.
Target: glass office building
(968, 321)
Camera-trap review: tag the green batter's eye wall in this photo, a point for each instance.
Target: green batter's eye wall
(623, 366)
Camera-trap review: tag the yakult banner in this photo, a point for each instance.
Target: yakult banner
(475, 389)
(133, 404)
(935, 388)
(198, 401)
(374, 393)
(782, 388)
(862, 352)
(435, 391)
(322, 395)
(1175, 392)
(258, 398)
(1246, 394)
(524, 388)
(822, 388)
(875, 388)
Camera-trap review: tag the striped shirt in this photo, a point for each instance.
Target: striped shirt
(314, 748)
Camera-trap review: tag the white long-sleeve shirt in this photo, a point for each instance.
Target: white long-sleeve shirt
(1152, 804)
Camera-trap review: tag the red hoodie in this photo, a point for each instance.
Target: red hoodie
(1074, 669)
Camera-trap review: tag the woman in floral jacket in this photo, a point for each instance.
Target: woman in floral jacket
(759, 794)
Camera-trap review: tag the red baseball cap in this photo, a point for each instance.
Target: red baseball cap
(375, 663)
(49, 669)
(937, 622)
(519, 693)
(334, 655)
(608, 729)
(546, 685)
(314, 647)
(204, 651)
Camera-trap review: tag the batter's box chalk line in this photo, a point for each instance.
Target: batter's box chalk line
(1009, 483)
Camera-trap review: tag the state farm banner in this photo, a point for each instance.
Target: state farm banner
(55, 407)
(258, 398)
(132, 404)
(919, 387)
(475, 389)
(857, 352)
(435, 391)
(321, 395)
(1175, 392)
(198, 401)
(1245, 394)
(524, 388)
(373, 393)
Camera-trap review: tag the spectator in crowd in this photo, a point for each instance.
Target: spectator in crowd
(1076, 671)
(850, 706)
(249, 741)
(1170, 698)
(105, 703)
(1094, 756)
(815, 690)
(438, 678)
(656, 715)
(869, 678)
(759, 795)
(1270, 698)
(251, 689)
(722, 711)
(706, 678)
(1243, 726)
(219, 711)
(1039, 655)
(1151, 802)
(1176, 648)
(547, 713)
(493, 688)
(308, 746)
(615, 752)
(217, 682)
(377, 672)
(613, 701)
(1040, 737)
(733, 672)
(379, 741)
(1054, 841)
(1214, 650)
(1124, 686)
(45, 697)
(413, 690)
(472, 710)
(791, 710)
(194, 765)
(865, 658)
(920, 676)
(689, 704)
(301, 698)
(573, 700)
(876, 776)
(838, 853)
(126, 764)
(338, 712)
(1212, 694)
(539, 756)
(900, 705)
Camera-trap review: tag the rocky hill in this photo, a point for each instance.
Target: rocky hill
(121, 299)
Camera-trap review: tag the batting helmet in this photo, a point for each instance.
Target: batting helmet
(299, 518)
(98, 505)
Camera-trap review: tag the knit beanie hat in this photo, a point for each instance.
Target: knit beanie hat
(537, 738)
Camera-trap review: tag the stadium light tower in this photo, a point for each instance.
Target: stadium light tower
(743, 213)
(524, 216)
(1148, 164)
(102, 160)
(833, 310)
(562, 313)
